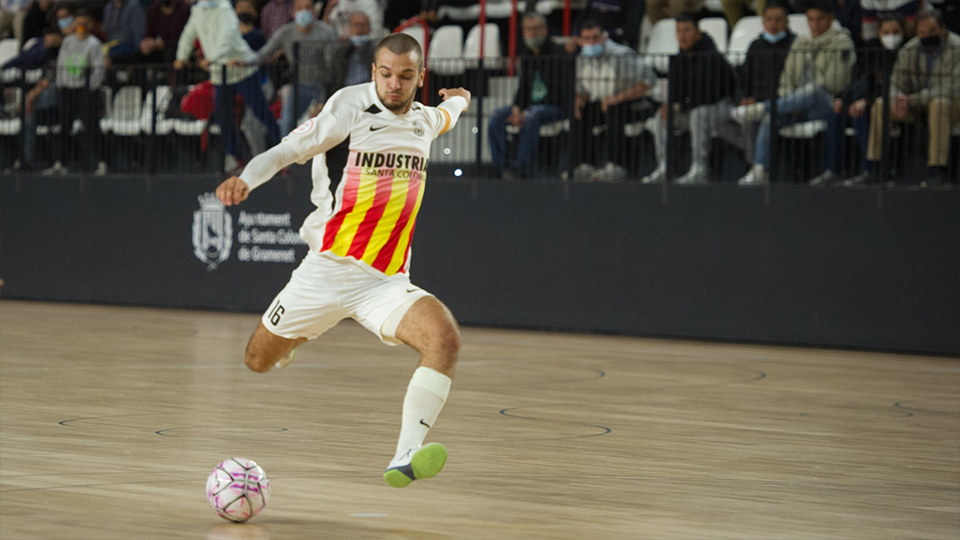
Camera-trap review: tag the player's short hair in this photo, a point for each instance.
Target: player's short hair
(934, 14)
(400, 44)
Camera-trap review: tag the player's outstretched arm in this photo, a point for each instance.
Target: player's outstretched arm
(447, 93)
(232, 191)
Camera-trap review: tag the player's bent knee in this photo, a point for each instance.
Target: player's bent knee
(448, 343)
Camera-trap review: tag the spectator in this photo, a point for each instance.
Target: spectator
(337, 14)
(875, 64)
(818, 68)
(274, 15)
(925, 81)
(850, 16)
(759, 75)
(165, 22)
(39, 16)
(733, 9)
(701, 86)
(350, 62)
(305, 43)
(621, 19)
(75, 86)
(40, 54)
(13, 13)
(545, 78)
(215, 25)
(670, 9)
(611, 79)
(871, 9)
(124, 22)
(247, 15)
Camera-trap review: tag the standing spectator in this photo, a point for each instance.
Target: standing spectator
(215, 25)
(165, 22)
(817, 69)
(274, 15)
(670, 9)
(305, 43)
(611, 79)
(350, 62)
(620, 18)
(75, 85)
(247, 15)
(12, 16)
(543, 96)
(39, 16)
(871, 10)
(124, 22)
(733, 9)
(700, 88)
(759, 76)
(337, 14)
(875, 64)
(925, 82)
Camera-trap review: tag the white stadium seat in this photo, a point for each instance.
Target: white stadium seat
(124, 117)
(745, 31)
(445, 55)
(491, 46)
(717, 28)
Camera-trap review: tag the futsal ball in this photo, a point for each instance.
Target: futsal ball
(238, 489)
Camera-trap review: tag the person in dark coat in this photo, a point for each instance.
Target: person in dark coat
(351, 60)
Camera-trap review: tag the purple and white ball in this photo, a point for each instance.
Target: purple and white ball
(238, 489)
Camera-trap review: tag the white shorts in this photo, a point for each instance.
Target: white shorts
(326, 289)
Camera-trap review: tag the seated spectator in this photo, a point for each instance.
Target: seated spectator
(63, 13)
(700, 89)
(247, 15)
(124, 22)
(39, 16)
(621, 19)
(611, 79)
(671, 9)
(542, 97)
(874, 65)
(733, 9)
(759, 75)
(925, 83)
(817, 69)
(215, 25)
(351, 60)
(165, 22)
(337, 14)
(871, 9)
(305, 43)
(274, 15)
(13, 13)
(74, 85)
(40, 54)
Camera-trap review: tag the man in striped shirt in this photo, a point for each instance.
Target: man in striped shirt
(359, 258)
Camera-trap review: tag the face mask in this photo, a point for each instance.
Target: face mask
(930, 42)
(773, 38)
(65, 22)
(303, 18)
(207, 4)
(535, 43)
(595, 49)
(891, 41)
(245, 18)
(359, 40)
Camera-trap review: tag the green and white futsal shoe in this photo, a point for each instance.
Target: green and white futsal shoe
(285, 360)
(417, 464)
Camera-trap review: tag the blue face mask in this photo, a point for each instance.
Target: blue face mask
(359, 40)
(773, 38)
(592, 50)
(65, 22)
(303, 18)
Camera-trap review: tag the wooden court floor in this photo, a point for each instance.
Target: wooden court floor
(111, 419)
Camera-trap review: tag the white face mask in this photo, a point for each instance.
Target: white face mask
(891, 41)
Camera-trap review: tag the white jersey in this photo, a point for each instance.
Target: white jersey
(372, 217)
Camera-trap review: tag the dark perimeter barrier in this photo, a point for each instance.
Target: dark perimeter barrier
(868, 267)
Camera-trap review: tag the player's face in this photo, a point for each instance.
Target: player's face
(397, 78)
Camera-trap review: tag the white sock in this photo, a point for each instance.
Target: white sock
(426, 394)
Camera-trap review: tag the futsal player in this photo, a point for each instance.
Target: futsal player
(359, 240)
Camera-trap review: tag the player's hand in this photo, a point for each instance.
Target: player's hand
(232, 191)
(447, 93)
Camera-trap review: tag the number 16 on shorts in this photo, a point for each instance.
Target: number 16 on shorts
(276, 313)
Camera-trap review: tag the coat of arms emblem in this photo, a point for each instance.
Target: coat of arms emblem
(212, 231)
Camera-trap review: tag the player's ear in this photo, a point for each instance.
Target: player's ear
(423, 73)
(373, 71)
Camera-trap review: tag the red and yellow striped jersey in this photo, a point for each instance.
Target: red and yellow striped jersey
(374, 213)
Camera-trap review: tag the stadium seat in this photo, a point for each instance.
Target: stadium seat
(445, 56)
(662, 44)
(124, 116)
(9, 48)
(717, 28)
(496, 9)
(164, 126)
(745, 31)
(10, 121)
(491, 47)
(417, 32)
